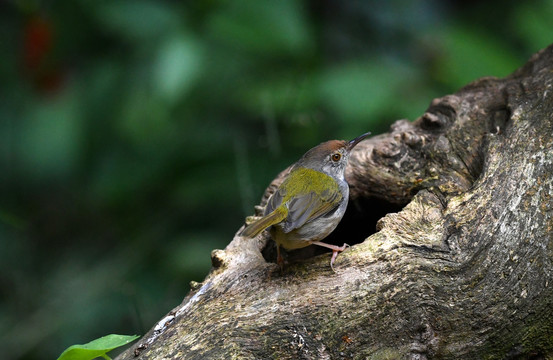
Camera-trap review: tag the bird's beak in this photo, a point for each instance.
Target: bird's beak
(357, 140)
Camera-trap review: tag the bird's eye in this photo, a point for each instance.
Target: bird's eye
(336, 157)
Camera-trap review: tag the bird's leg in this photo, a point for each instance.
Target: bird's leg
(335, 250)
(280, 260)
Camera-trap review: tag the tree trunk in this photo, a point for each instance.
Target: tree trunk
(460, 265)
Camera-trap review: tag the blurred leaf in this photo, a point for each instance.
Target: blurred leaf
(177, 68)
(214, 180)
(136, 20)
(144, 117)
(51, 137)
(96, 348)
(468, 54)
(284, 95)
(360, 90)
(263, 27)
(534, 24)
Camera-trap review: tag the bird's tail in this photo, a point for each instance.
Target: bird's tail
(258, 226)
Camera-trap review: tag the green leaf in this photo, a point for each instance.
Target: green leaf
(360, 90)
(50, 141)
(532, 22)
(137, 20)
(178, 66)
(264, 27)
(96, 348)
(468, 54)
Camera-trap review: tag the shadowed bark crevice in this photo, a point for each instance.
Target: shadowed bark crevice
(451, 218)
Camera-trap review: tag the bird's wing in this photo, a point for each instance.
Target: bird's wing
(272, 215)
(304, 207)
(275, 200)
(258, 226)
(303, 201)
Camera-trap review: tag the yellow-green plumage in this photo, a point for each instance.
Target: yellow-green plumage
(319, 192)
(304, 180)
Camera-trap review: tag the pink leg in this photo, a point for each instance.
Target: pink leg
(335, 250)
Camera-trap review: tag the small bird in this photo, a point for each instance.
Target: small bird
(311, 200)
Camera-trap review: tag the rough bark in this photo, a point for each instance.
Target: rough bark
(461, 270)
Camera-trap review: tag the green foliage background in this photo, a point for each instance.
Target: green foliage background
(136, 135)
